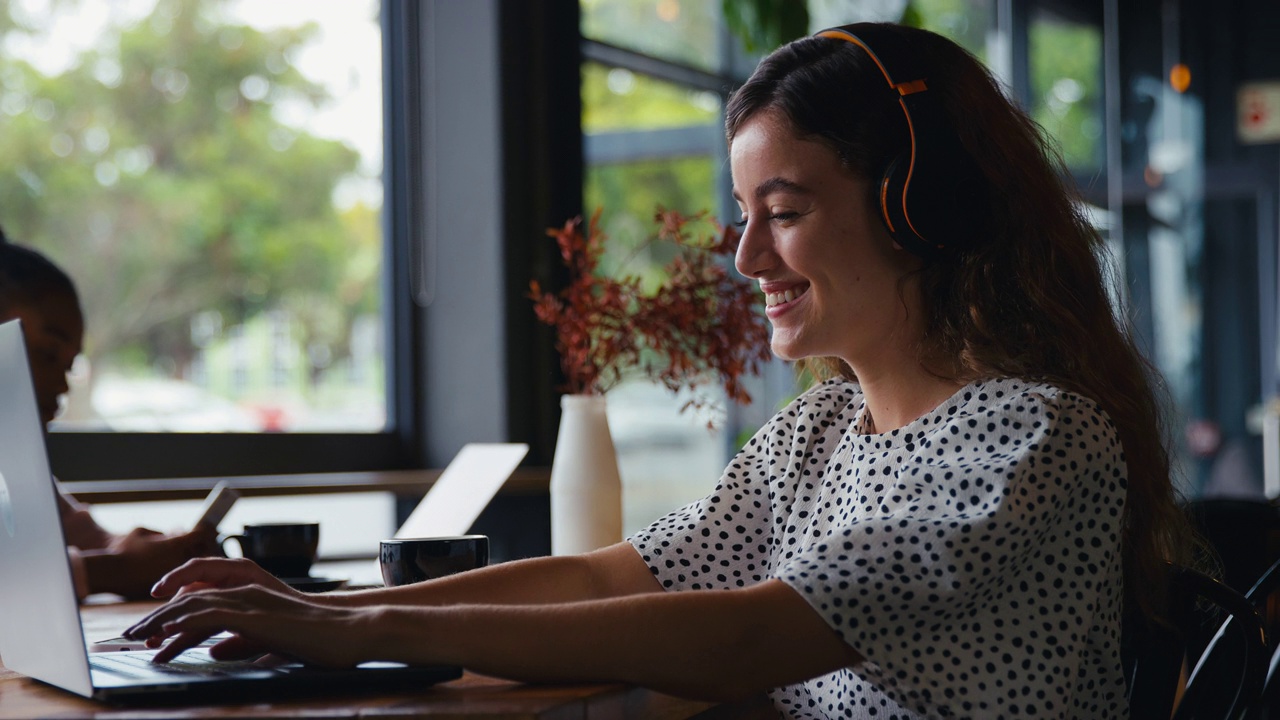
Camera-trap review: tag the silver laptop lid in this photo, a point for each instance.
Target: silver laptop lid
(463, 490)
(40, 634)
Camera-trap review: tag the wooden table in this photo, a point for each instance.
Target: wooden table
(471, 696)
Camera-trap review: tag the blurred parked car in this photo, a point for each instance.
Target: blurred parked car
(167, 405)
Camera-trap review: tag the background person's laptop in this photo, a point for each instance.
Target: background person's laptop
(463, 490)
(40, 631)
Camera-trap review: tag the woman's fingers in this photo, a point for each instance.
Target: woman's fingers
(181, 642)
(155, 626)
(236, 647)
(193, 587)
(149, 627)
(215, 572)
(259, 619)
(194, 627)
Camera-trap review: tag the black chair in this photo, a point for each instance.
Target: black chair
(1225, 680)
(1265, 596)
(1244, 532)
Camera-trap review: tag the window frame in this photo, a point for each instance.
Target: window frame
(98, 455)
(482, 110)
(530, 59)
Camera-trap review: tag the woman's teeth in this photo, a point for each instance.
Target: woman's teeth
(772, 299)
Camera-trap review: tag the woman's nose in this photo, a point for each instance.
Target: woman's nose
(755, 252)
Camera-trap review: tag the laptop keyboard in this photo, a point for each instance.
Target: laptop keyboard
(140, 665)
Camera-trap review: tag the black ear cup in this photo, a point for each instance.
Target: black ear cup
(935, 187)
(892, 184)
(931, 194)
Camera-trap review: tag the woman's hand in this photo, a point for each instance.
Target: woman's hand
(261, 620)
(203, 573)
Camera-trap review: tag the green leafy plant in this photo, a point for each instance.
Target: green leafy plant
(763, 25)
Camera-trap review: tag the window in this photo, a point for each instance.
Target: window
(210, 175)
(681, 32)
(653, 88)
(1065, 59)
(403, 350)
(967, 22)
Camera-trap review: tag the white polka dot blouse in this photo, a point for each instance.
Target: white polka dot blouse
(972, 557)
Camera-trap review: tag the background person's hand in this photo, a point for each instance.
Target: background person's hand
(181, 547)
(133, 562)
(203, 542)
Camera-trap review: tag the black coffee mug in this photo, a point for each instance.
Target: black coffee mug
(412, 560)
(285, 550)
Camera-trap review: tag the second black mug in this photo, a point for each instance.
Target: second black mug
(285, 550)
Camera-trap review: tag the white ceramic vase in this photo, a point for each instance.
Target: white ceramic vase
(586, 490)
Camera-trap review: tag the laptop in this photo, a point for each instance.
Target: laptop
(40, 627)
(463, 490)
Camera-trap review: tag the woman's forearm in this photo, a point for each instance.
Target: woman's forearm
(707, 644)
(610, 572)
(596, 617)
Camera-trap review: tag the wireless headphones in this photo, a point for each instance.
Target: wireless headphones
(931, 193)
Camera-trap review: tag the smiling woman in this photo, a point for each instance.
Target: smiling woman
(835, 283)
(950, 524)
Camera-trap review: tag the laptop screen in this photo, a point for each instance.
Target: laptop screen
(463, 490)
(40, 627)
(40, 633)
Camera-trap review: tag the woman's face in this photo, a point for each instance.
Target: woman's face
(829, 270)
(53, 329)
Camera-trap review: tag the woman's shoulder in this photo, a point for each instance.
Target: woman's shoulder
(1007, 420)
(1015, 395)
(831, 402)
(1041, 406)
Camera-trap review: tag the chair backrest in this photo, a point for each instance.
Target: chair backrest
(1236, 658)
(1153, 655)
(1224, 681)
(1244, 532)
(1265, 596)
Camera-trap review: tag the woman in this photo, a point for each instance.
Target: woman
(36, 291)
(950, 524)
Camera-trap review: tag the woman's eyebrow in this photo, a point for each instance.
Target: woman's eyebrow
(777, 184)
(773, 185)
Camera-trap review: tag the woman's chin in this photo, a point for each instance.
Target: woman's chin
(784, 350)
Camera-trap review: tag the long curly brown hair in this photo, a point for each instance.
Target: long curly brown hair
(1029, 298)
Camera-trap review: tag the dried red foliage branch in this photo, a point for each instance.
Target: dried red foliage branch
(703, 323)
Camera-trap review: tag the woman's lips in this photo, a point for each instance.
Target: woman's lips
(779, 301)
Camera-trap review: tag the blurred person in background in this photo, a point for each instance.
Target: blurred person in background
(36, 291)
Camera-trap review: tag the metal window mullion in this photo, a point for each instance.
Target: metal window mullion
(613, 56)
(403, 215)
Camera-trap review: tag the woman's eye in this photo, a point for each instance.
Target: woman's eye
(785, 216)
